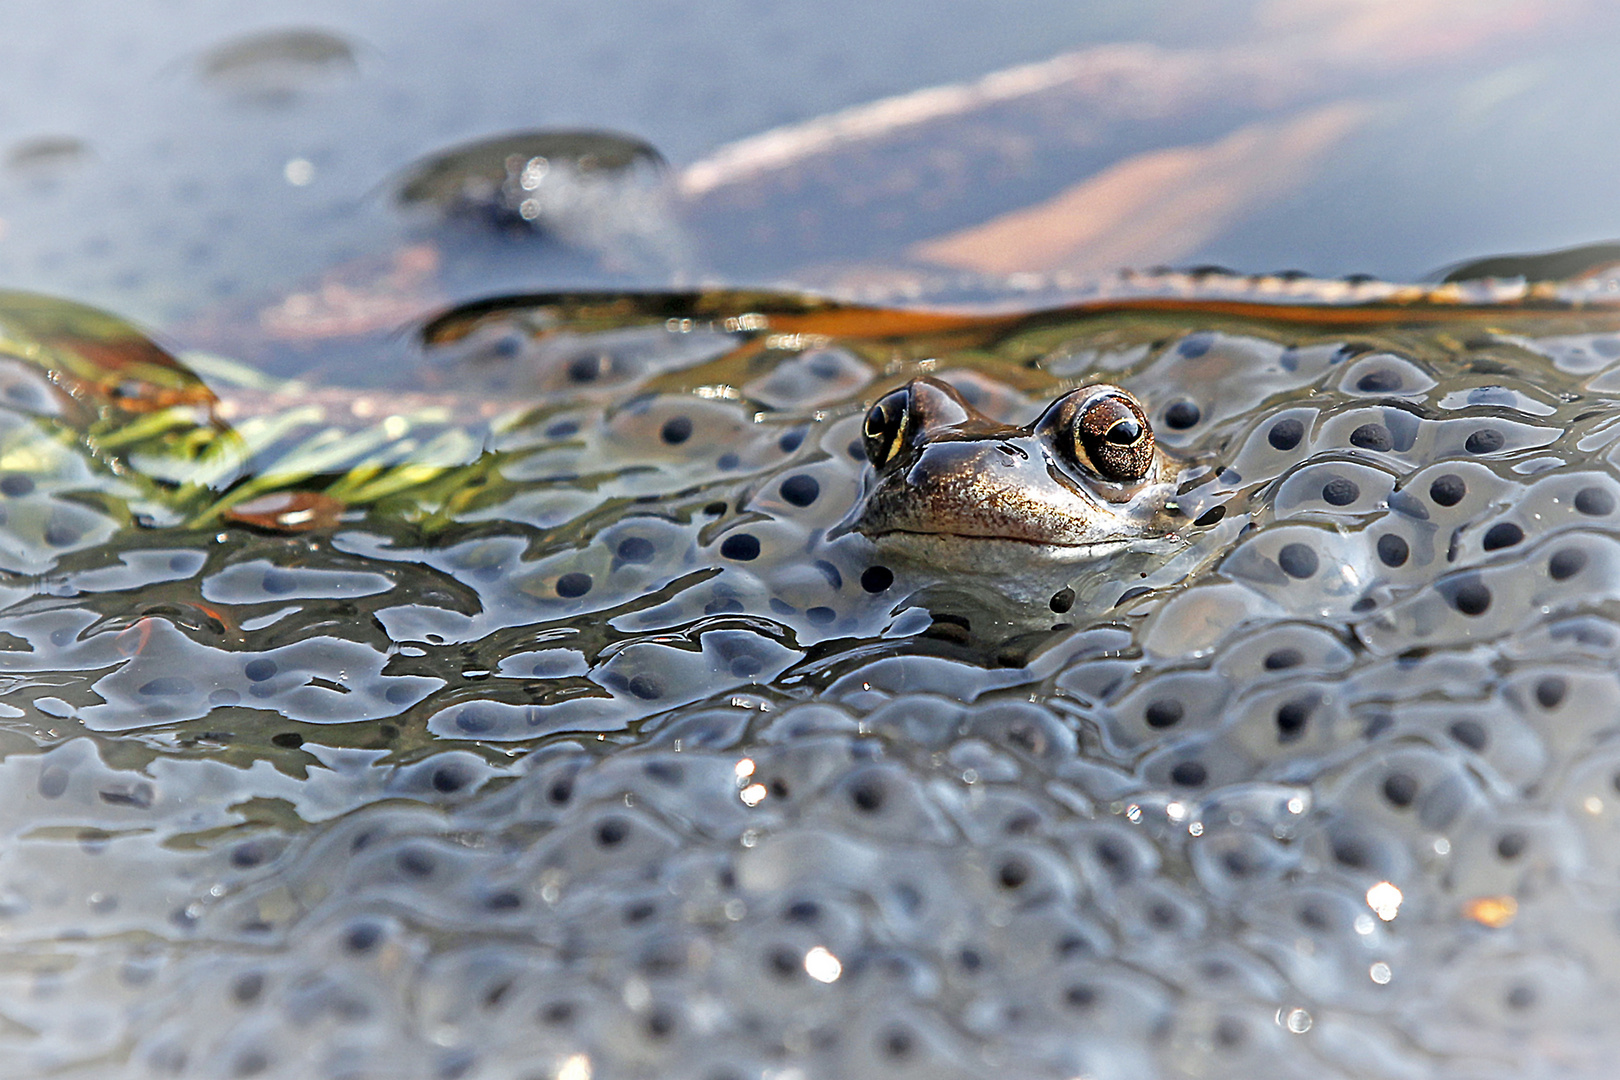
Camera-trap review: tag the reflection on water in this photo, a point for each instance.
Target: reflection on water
(565, 739)
(220, 163)
(594, 197)
(274, 68)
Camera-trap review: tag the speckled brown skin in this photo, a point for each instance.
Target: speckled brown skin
(955, 487)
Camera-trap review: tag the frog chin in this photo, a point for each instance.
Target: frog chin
(993, 556)
(1016, 581)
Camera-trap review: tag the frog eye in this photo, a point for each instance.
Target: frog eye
(884, 432)
(1114, 432)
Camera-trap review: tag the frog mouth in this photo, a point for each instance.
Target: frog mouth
(1002, 538)
(1010, 535)
(1039, 527)
(992, 554)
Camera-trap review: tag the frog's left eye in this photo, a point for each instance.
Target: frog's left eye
(884, 432)
(1114, 432)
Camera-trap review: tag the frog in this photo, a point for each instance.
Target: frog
(954, 488)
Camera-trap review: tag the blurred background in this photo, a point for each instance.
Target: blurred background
(308, 169)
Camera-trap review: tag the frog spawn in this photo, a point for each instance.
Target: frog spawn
(964, 880)
(1402, 673)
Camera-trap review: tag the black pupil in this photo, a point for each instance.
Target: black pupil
(882, 424)
(1124, 432)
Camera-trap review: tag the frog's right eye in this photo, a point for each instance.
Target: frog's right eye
(887, 422)
(1116, 436)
